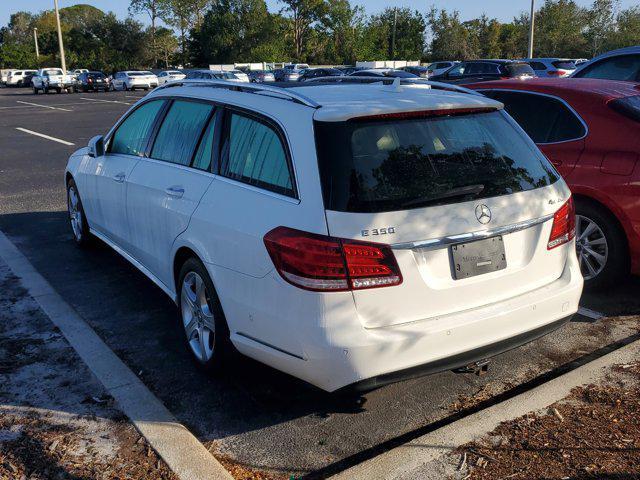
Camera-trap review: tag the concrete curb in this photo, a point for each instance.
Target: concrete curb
(412, 459)
(179, 448)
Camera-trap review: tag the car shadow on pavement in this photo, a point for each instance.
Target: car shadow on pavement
(138, 321)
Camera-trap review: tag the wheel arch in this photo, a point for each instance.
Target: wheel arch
(181, 255)
(580, 197)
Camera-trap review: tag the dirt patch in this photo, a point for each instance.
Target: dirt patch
(593, 433)
(241, 472)
(56, 420)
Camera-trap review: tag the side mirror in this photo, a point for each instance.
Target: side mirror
(96, 146)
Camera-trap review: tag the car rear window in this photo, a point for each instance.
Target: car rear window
(519, 69)
(564, 64)
(398, 164)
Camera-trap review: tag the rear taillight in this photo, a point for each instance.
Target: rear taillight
(323, 263)
(627, 106)
(564, 225)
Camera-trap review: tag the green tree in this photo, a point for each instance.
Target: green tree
(303, 15)
(601, 24)
(155, 9)
(236, 31)
(628, 29)
(559, 29)
(450, 39)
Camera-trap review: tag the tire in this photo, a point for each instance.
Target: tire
(35, 91)
(45, 90)
(201, 319)
(20, 84)
(77, 218)
(58, 90)
(125, 88)
(603, 253)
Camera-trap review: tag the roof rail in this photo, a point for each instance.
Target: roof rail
(246, 88)
(391, 81)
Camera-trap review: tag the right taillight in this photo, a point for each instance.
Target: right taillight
(564, 225)
(323, 263)
(627, 106)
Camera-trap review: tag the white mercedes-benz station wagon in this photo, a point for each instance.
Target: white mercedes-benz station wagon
(347, 234)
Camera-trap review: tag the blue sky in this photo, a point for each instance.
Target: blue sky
(503, 10)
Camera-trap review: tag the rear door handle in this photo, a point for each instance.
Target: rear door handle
(119, 177)
(175, 191)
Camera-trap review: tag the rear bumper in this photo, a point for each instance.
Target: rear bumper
(459, 360)
(340, 352)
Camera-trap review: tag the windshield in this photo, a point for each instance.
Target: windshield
(395, 164)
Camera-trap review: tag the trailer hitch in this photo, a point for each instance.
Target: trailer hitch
(480, 367)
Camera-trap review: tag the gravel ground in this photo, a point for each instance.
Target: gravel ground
(56, 420)
(592, 434)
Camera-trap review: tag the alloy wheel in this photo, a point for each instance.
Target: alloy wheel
(197, 316)
(591, 247)
(75, 213)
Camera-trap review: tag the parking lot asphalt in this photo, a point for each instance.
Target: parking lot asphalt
(252, 415)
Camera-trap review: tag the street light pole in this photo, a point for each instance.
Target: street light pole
(35, 39)
(531, 22)
(64, 63)
(393, 37)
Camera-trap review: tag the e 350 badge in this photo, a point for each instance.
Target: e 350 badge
(378, 231)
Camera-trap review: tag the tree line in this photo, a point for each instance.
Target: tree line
(203, 32)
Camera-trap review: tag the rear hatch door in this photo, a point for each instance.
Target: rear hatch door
(465, 201)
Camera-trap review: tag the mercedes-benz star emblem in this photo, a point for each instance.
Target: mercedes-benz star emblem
(483, 213)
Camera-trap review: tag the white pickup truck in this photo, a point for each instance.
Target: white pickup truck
(52, 79)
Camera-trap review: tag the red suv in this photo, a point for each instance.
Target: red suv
(590, 130)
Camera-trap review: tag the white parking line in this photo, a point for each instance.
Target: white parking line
(592, 314)
(181, 451)
(104, 101)
(53, 139)
(44, 106)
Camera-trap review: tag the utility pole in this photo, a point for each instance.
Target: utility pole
(393, 36)
(531, 22)
(64, 63)
(35, 39)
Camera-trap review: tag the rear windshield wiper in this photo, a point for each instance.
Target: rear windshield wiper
(448, 194)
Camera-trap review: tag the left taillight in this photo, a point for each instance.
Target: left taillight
(322, 263)
(564, 225)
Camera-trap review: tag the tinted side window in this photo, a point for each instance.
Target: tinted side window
(458, 70)
(545, 119)
(180, 131)
(538, 65)
(481, 68)
(131, 136)
(202, 160)
(253, 153)
(622, 67)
